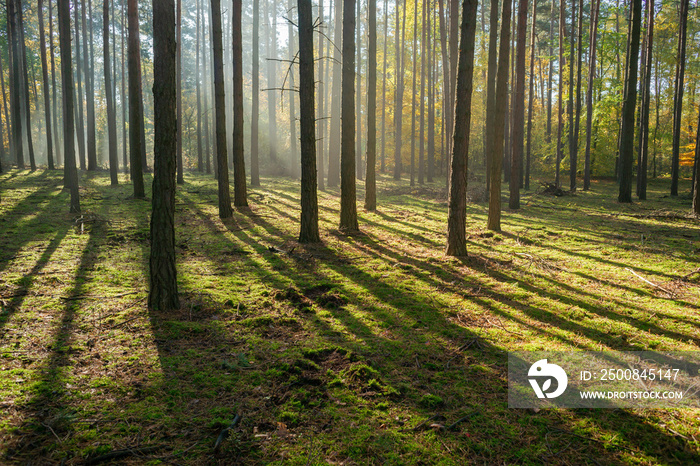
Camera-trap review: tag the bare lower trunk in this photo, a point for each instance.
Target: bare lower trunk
(240, 196)
(370, 178)
(111, 113)
(518, 107)
(47, 96)
(348, 204)
(136, 141)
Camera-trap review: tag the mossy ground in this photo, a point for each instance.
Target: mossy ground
(332, 353)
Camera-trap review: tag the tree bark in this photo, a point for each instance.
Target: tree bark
(384, 79)
(25, 87)
(560, 97)
(421, 131)
(358, 100)
(296, 161)
(136, 141)
(240, 196)
(629, 105)
(413, 93)
(47, 95)
(348, 204)
(518, 107)
(494, 219)
(178, 93)
(595, 9)
(457, 214)
(124, 96)
(56, 146)
(70, 170)
(371, 175)
(14, 82)
(225, 210)
(574, 160)
(111, 112)
(570, 106)
(320, 128)
(448, 100)
(271, 41)
(90, 93)
(198, 73)
(491, 89)
(308, 232)
(644, 116)
(531, 96)
(334, 140)
(678, 96)
(398, 110)
(163, 295)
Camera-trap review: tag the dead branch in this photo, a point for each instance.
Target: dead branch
(124, 453)
(670, 293)
(223, 433)
(686, 277)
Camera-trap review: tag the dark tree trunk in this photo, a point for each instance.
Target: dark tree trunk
(124, 96)
(25, 81)
(413, 93)
(70, 170)
(491, 89)
(240, 197)
(560, 96)
(321, 109)
(430, 160)
(398, 109)
(178, 93)
(574, 159)
(494, 219)
(384, 79)
(531, 96)
(448, 100)
(271, 41)
(89, 92)
(348, 204)
(358, 100)
(595, 8)
(570, 106)
(678, 96)
(295, 157)
(163, 294)
(111, 112)
(255, 117)
(198, 73)
(57, 149)
(334, 142)
(15, 79)
(309, 204)
(225, 210)
(80, 117)
(629, 105)
(696, 172)
(207, 91)
(644, 116)
(518, 107)
(457, 214)
(371, 175)
(548, 133)
(136, 141)
(47, 95)
(421, 131)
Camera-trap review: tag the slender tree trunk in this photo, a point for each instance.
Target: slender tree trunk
(560, 96)
(398, 110)
(494, 219)
(454, 54)
(531, 96)
(225, 210)
(14, 83)
(308, 232)
(79, 120)
(421, 131)
(70, 171)
(254, 157)
(240, 196)
(320, 128)
(90, 91)
(550, 39)
(629, 105)
(358, 99)
(348, 204)
(646, 85)
(207, 91)
(125, 98)
(448, 100)
(518, 107)
(595, 8)
(570, 106)
(163, 295)
(198, 73)
(457, 213)
(7, 120)
(696, 172)
(574, 159)
(271, 41)
(296, 161)
(47, 95)
(384, 79)
(334, 142)
(25, 81)
(491, 89)
(413, 93)
(678, 96)
(111, 111)
(178, 93)
(371, 175)
(430, 169)
(56, 139)
(135, 116)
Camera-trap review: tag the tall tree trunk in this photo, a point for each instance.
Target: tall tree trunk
(271, 41)
(494, 219)
(574, 159)
(358, 100)
(254, 157)
(207, 91)
(111, 112)
(89, 91)
(308, 232)
(296, 162)
(124, 96)
(413, 93)
(163, 294)
(550, 39)
(70, 171)
(7, 120)
(644, 117)
(225, 210)
(178, 92)
(25, 81)
(398, 110)
(198, 73)
(79, 120)
(14, 82)
(54, 111)
(47, 95)
(518, 107)
(570, 106)
(595, 8)
(531, 96)
(457, 214)
(448, 100)
(371, 175)
(320, 128)
(491, 89)
(348, 204)
(421, 131)
(430, 169)
(629, 105)
(240, 196)
(560, 96)
(384, 79)
(454, 55)
(696, 172)
(334, 142)
(678, 95)
(136, 141)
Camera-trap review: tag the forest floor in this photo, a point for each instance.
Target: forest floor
(334, 353)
